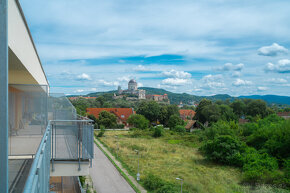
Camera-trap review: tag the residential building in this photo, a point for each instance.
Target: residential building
(122, 114)
(186, 114)
(285, 115)
(41, 136)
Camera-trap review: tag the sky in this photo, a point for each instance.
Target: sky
(205, 47)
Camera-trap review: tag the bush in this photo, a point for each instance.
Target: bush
(157, 185)
(174, 120)
(221, 128)
(258, 167)
(138, 121)
(120, 126)
(152, 182)
(102, 131)
(224, 149)
(158, 131)
(179, 128)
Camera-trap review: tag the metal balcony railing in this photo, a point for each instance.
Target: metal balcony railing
(72, 140)
(63, 140)
(38, 178)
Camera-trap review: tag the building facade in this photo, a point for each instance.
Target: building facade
(31, 117)
(132, 90)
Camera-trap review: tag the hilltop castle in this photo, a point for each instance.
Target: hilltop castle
(133, 90)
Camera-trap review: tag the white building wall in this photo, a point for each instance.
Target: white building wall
(21, 43)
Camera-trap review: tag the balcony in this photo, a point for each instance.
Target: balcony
(46, 138)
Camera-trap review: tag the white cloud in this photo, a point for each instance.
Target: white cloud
(231, 67)
(93, 89)
(139, 84)
(283, 66)
(124, 79)
(273, 50)
(240, 82)
(84, 76)
(261, 88)
(79, 90)
(277, 80)
(236, 74)
(212, 81)
(141, 68)
(176, 81)
(106, 83)
(177, 74)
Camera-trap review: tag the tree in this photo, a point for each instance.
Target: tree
(199, 115)
(256, 108)
(174, 120)
(166, 111)
(107, 119)
(227, 113)
(149, 109)
(211, 113)
(239, 107)
(138, 121)
(101, 100)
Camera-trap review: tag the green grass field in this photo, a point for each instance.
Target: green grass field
(175, 156)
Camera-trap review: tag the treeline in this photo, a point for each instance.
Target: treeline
(209, 112)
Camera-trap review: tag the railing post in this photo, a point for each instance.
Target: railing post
(79, 146)
(4, 96)
(52, 166)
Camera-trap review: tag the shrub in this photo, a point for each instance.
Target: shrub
(102, 131)
(258, 166)
(120, 126)
(179, 128)
(157, 185)
(158, 131)
(152, 182)
(174, 120)
(221, 128)
(224, 149)
(138, 121)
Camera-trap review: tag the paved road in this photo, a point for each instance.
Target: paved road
(106, 177)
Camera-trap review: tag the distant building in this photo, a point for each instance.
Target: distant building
(285, 115)
(191, 125)
(186, 114)
(243, 120)
(158, 98)
(133, 90)
(75, 98)
(122, 114)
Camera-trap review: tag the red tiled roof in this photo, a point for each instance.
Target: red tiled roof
(122, 113)
(283, 114)
(186, 112)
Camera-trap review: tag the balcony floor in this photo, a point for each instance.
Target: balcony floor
(18, 173)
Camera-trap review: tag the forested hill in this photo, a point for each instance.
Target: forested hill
(270, 98)
(176, 98)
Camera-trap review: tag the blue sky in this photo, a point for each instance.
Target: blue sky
(198, 47)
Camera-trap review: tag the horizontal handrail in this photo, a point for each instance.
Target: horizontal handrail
(35, 165)
(72, 120)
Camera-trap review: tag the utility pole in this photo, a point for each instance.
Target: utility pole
(181, 182)
(138, 174)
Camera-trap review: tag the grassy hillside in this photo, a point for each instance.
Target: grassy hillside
(174, 156)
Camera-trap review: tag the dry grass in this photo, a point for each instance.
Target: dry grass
(168, 161)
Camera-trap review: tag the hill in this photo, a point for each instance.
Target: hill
(176, 98)
(270, 98)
